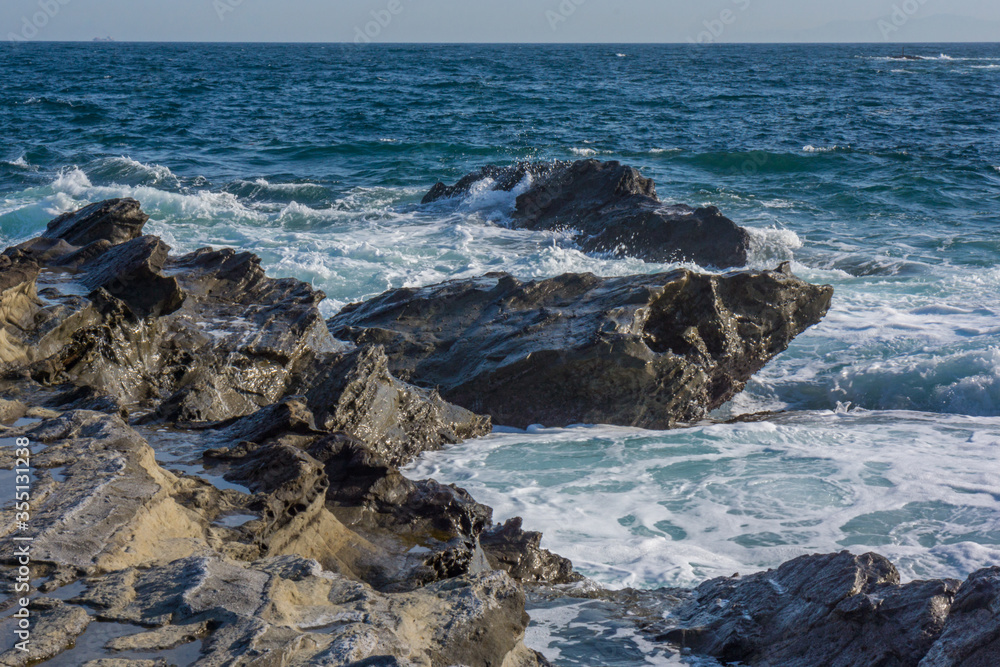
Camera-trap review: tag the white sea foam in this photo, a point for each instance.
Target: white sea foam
(772, 244)
(19, 162)
(820, 149)
(583, 152)
(633, 507)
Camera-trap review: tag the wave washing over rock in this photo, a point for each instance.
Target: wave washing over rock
(612, 209)
(297, 541)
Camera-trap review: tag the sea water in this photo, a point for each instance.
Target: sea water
(877, 176)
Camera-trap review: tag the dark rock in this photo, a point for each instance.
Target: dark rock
(838, 610)
(971, 636)
(39, 251)
(615, 210)
(227, 276)
(649, 351)
(115, 221)
(518, 552)
(293, 483)
(202, 339)
(505, 179)
(382, 497)
(289, 416)
(357, 394)
(133, 272)
(86, 398)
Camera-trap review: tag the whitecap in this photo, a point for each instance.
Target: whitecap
(20, 162)
(820, 149)
(583, 152)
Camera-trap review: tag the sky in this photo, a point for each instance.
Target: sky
(618, 21)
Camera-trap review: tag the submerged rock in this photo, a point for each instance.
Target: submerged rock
(614, 209)
(649, 351)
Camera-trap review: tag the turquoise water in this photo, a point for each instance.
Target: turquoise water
(880, 177)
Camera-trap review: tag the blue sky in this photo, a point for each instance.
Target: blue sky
(503, 20)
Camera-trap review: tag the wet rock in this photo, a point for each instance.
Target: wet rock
(290, 416)
(133, 272)
(503, 179)
(839, 610)
(290, 609)
(244, 363)
(86, 398)
(971, 635)
(649, 351)
(116, 507)
(126, 662)
(518, 552)
(115, 221)
(614, 209)
(54, 627)
(380, 496)
(358, 395)
(203, 338)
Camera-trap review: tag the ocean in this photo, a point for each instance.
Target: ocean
(878, 176)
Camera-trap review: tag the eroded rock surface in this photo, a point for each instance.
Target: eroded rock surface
(649, 351)
(99, 324)
(204, 337)
(614, 209)
(336, 557)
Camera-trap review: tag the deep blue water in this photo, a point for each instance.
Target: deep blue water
(880, 177)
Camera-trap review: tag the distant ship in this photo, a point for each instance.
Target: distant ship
(104, 39)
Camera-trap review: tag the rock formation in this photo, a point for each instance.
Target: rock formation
(318, 551)
(614, 209)
(838, 610)
(141, 380)
(650, 351)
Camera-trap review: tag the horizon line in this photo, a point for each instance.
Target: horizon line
(105, 41)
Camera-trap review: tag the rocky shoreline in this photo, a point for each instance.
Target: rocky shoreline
(216, 468)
